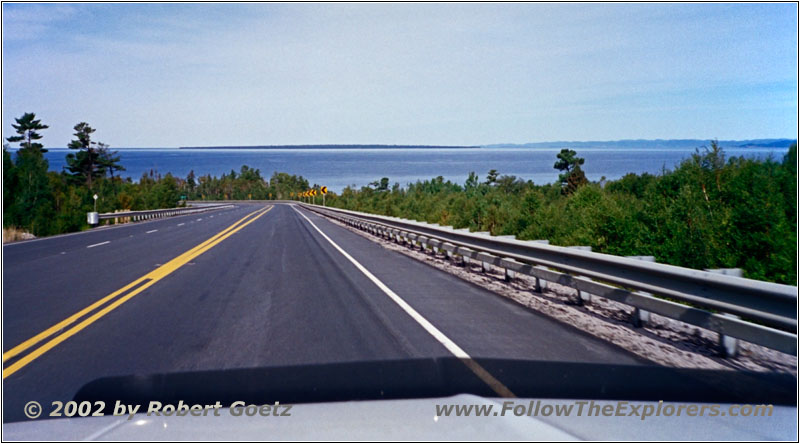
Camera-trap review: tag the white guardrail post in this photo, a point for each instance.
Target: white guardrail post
(728, 345)
(509, 273)
(485, 266)
(641, 317)
(540, 284)
(583, 297)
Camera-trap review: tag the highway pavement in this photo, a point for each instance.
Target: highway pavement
(252, 286)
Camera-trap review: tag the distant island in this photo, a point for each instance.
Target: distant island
(612, 144)
(652, 143)
(322, 147)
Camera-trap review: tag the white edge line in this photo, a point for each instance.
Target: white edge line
(97, 245)
(451, 346)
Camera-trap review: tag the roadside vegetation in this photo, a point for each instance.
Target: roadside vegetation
(41, 202)
(709, 212)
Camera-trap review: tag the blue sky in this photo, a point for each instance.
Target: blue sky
(160, 75)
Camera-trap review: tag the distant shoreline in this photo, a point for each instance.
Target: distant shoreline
(576, 145)
(652, 143)
(325, 147)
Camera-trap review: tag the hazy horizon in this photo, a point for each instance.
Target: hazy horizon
(541, 144)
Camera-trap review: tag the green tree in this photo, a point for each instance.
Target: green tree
(26, 128)
(85, 164)
(491, 177)
(788, 183)
(472, 181)
(108, 160)
(572, 177)
(384, 184)
(31, 196)
(282, 184)
(191, 183)
(9, 186)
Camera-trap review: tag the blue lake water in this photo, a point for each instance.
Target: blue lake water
(337, 168)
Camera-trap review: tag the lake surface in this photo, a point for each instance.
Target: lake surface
(337, 168)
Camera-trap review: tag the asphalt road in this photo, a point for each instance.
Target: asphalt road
(270, 291)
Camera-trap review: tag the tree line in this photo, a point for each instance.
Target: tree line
(44, 202)
(708, 212)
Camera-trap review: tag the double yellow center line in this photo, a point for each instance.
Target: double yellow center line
(127, 292)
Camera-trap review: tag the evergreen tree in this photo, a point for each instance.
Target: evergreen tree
(491, 177)
(9, 186)
(108, 160)
(26, 128)
(572, 177)
(85, 164)
(472, 181)
(30, 193)
(190, 180)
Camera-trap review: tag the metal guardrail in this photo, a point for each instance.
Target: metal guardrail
(772, 307)
(156, 214)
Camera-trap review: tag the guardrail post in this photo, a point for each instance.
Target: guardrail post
(448, 251)
(464, 255)
(583, 297)
(728, 345)
(509, 274)
(485, 267)
(540, 285)
(641, 318)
